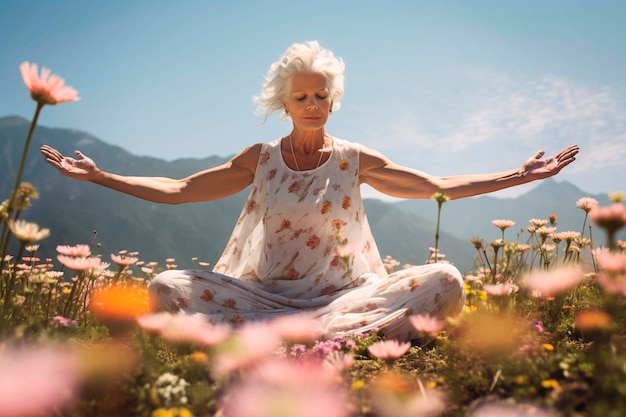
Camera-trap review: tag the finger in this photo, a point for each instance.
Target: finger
(79, 154)
(540, 154)
(49, 155)
(46, 150)
(568, 153)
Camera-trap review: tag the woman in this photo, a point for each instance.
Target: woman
(302, 241)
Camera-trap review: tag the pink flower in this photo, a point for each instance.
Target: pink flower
(612, 274)
(503, 224)
(27, 232)
(78, 264)
(61, 321)
(545, 231)
(557, 281)
(427, 323)
(586, 203)
(339, 361)
(78, 251)
(253, 343)
(567, 236)
(388, 349)
(538, 222)
(297, 327)
(179, 328)
(611, 217)
(49, 89)
(35, 381)
(285, 388)
(123, 261)
(500, 289)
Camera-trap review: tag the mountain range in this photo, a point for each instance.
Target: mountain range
(78, 212)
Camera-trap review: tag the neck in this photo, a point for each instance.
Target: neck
(308, 142)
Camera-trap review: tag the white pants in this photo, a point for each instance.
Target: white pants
(382, 304)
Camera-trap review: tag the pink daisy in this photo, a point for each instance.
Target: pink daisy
(388, 349)
(78, 251)
(427, 323)
(49, 89)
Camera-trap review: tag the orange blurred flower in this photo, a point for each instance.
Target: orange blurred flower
(593, 320)
(49, 89)
(120, 301)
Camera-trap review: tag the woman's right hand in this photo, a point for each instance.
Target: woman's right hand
(83, 168)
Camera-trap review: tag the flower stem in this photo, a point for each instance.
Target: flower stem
(4, 240)
(20, 172)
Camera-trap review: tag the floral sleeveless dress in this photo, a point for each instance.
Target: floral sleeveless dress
(303, 243)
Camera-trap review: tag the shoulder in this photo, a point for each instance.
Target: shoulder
(248, 157)
(370, 159)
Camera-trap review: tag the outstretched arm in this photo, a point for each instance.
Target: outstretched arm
(397, 181)
(211, 184)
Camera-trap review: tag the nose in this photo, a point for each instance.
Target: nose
(312, 105)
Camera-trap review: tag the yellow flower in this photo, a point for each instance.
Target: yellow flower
(358, 385)
(171, 412)
(161, 412)
(181, 412)
(521, 379)
(548, 347)
(550, 383)
(482, 295)
(440, 197)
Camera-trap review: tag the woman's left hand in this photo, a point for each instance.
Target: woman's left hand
(547, 167)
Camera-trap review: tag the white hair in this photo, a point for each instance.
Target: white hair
(308, 57)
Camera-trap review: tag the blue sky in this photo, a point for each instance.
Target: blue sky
(447, 87)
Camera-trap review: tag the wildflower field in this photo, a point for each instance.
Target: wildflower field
(541, 333)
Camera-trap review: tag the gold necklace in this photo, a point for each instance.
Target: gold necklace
(319, 161)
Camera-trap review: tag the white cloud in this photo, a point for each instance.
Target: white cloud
(508, 112)
(538, 110)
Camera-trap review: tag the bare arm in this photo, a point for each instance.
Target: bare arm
(211, 184)
(398, 181)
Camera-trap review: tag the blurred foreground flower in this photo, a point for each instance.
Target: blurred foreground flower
(126, 302)
(296, 328)
(394, 394)
(505, 288)
(250, 345)
(388, 349)
(612, 272)
(184, 328)
(591, 320)
(35, 381)
(491, 333)
(427, 324)
(287, 389)
(556, 281)
(611, 218)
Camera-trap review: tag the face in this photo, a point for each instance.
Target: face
(308, 102)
